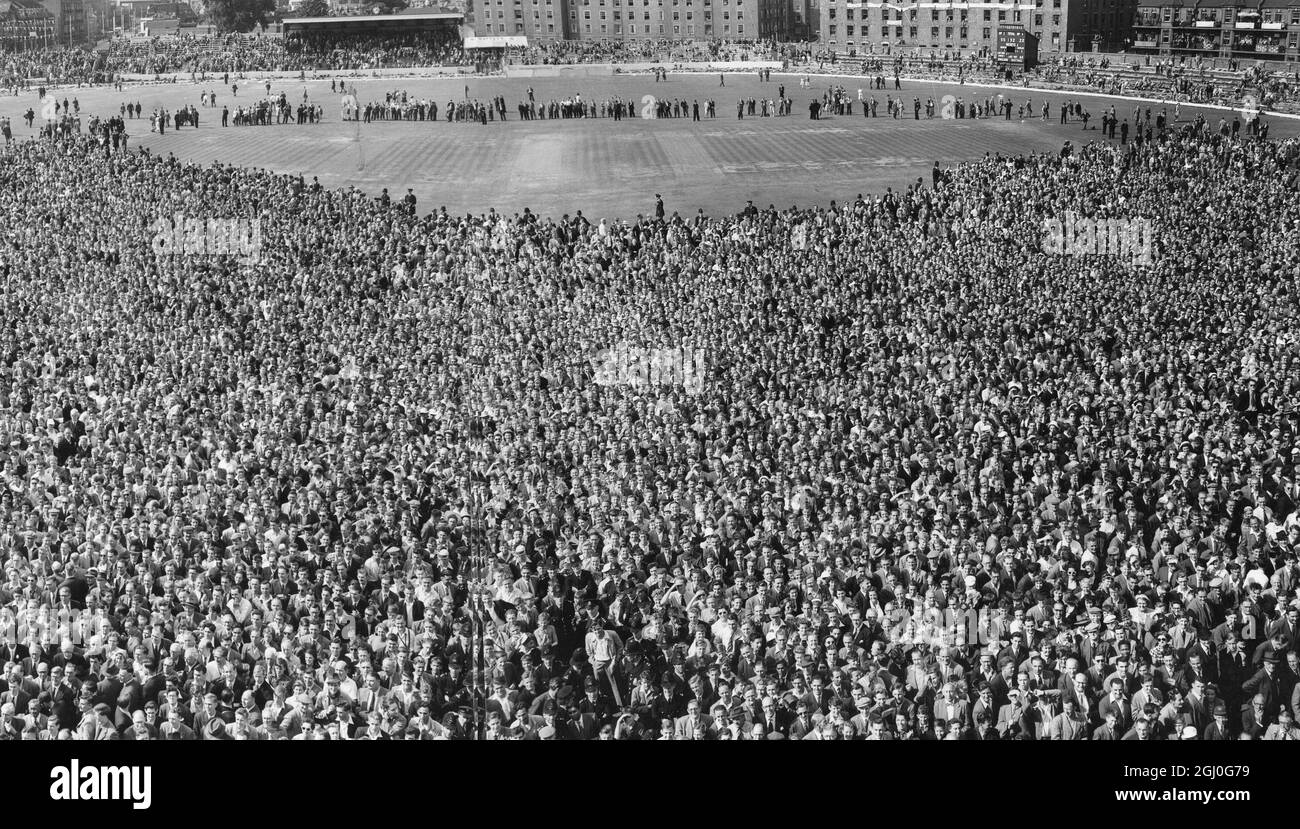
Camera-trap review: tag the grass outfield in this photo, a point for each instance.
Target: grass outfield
(602, 167)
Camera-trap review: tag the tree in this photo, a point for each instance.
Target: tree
(314, 8)
(239, 15)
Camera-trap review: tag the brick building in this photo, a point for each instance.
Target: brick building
(612, 20)
(1219, 28)
(1059, 25)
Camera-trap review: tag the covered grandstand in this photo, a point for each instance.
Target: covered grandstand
(412, 37)
(418, 21)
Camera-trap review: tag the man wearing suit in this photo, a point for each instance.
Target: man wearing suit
(1141, 731)
(37, 664)
(263, 692)
(108, 689)
(1107, 730)
(802, 725)
(229, 681)
(372, 697)
(152, 683)
(18, 689)
(949, 671)
(1195, 709)
(131, 697)
(11, 651)
(1013, 718)
(72, 663)
(206, 715)
(140, 729)
(404, 694)
(1078, 691)
(695, 726)
(1003, 682)
(1287, 626)
(984, 704)
(174, 729)
(917, 675)
(11, 727)
(1016, 651)
(63, 699)
(1094, 650)
(1266, 684)
(1284, 728)
(98, 724)
(1149, 693)
(1218, 730)
(1070, 724)
(775, 718)
(1194, 671)
(948, 708)
(982, 729)
(1115, 701)
(1255, 718)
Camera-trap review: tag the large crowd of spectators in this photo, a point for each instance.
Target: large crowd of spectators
(661, 51)
(220, 54)
(1184, 79)
(930, 480)
(243, 53)
(1255, 87)
(55, 64)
